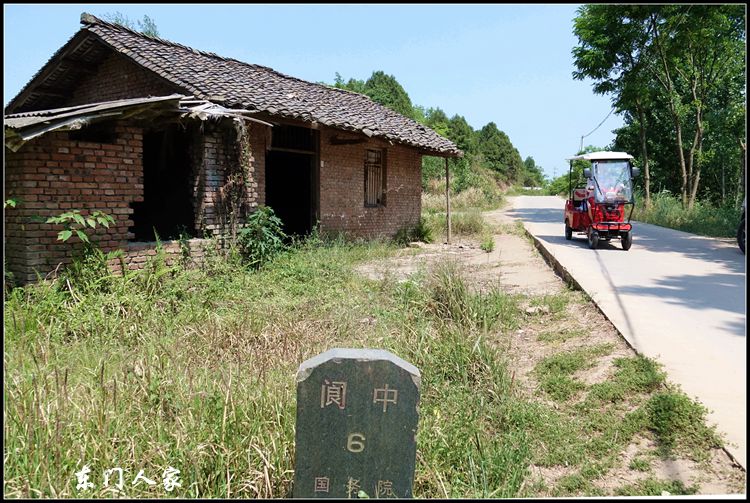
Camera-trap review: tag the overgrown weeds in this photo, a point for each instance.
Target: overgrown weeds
(673, 416)
(194, 369)
(703, 218)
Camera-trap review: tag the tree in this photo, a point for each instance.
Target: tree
(499, 153)
(437, 120)
(611, 50)
(357, 86)
(147, 26)
(381, 88)
(533, 175)
(462, 134)
(386, 90)
(678, 59)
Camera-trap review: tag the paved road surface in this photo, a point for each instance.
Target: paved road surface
(676, 297)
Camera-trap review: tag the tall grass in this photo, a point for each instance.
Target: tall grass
(194, 369)
(467, 205)
(704, 218)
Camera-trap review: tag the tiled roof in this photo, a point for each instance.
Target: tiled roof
(262, 89)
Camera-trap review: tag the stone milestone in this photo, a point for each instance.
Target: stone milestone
(356, 425)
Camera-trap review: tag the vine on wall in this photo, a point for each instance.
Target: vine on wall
(235, 194)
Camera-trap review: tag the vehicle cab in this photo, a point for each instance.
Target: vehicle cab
(596, 206)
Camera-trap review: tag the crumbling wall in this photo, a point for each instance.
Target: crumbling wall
(53, 174)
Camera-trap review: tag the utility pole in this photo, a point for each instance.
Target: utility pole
(448, 201)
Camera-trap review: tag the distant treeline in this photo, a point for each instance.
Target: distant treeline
(486, 150)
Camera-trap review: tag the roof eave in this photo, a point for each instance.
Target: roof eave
(44, 72)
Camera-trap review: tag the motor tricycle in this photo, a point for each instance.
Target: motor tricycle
(597, 208)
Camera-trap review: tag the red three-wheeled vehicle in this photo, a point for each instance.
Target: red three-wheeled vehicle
(597, 208)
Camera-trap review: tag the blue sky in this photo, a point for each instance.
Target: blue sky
(501, 63)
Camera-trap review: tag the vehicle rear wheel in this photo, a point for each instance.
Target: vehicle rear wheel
(593, 239)
(627, 240)
(568, 231)
(741, 234)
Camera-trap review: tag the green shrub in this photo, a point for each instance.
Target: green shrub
(88, 272)
(468, 223)
(488, 243)
(676, 418)
(74, 222)
(420, 232)
(261, 238)
(703, 218)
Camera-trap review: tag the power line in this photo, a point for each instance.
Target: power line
(597, 127)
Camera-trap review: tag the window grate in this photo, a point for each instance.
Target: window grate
(374, 178)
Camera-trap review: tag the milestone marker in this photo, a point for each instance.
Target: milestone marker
(356, 425)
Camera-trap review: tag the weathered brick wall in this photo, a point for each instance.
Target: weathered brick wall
(215, 155)
(53, 174)
(259, 143)
(136, 255)
(342, 190)
(117, 78)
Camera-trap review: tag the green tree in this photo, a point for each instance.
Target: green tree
(437, 120)
(147, 26)
(611, 50)
(381, 88)
(386, 90)
(685, 63)
(357, 86)
(499, 154)
(462, 134)
(533, 175)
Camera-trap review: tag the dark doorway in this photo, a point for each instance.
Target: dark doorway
(289, 182)
(291, 178)
(167, 208)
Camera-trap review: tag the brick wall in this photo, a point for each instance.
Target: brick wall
(342, 190)
(215, 155)
(53, 174)
(259, 143)
(117, 78)
(136, 255)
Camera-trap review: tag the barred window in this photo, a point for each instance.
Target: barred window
(374, 178)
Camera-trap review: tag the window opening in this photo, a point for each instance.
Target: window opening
(95, 133)
(374, 178)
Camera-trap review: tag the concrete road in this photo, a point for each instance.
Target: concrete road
(676, 297)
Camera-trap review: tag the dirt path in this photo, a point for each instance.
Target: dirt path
(513, 265)
(516, 267)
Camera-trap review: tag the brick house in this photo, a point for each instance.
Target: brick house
(170, 140)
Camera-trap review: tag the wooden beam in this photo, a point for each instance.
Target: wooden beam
(293, 150)
(335, 140)
(79, 65)
(51, 91)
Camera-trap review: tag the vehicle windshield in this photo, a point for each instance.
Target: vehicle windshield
(613, 182)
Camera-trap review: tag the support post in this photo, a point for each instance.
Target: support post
(448, 200)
